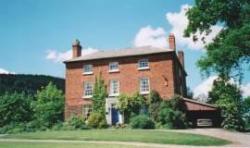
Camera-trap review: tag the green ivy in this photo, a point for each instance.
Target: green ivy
(99, 95)
(132, 105)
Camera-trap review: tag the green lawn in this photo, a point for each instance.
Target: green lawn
(60, 145)
(127, 135)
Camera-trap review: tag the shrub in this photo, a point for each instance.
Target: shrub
(171, 114)
(30, 127)
(58, 126)
(96, 120)
(176, 103)
(142, 122)
(13, 128)
(166, 114)
(17, 128)
(5, 129)
(76, 123)
(132, 105)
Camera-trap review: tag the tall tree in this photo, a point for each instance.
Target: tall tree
(231, 47)
(227, 53)
(15, 108)
(228, 98)
(49, 106)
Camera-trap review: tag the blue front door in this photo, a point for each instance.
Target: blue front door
(114, 115)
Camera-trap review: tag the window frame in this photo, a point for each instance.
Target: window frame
(86, 108)
(140, 63)
(142, 90)
(87, 72)
(86, 95)
(111, 88)
(113, 70)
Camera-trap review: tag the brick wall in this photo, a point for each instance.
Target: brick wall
(161, 76)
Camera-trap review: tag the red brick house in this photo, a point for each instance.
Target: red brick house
(124, 71)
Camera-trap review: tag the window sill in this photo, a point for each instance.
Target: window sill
(143, 68)
(113, 71)
(87, 73)
(114, 95)
(87, 97)
(144, 93)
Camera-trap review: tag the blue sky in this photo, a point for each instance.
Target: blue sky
(30, 29)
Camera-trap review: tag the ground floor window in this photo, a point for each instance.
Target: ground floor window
(87, 109)
(144, 85)
(88, 89)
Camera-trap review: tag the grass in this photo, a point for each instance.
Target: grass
(60, 145)
(125, 135)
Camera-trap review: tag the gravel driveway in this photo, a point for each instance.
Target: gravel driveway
(238, 139)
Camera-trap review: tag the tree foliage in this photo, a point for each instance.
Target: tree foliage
(231, 46)
(20, 112)
(246, 104)
(49, 106)
(228, 98)
(15, 108)
(29, 84)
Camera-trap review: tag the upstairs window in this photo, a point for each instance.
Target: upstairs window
(113, 66)
(88, 69)
(114, 88)
(144, 86)
(143, 64)
(88, 89)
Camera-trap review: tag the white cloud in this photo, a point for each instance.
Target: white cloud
(245, 89)
(179, 21)
(4, 71)
(201, 91)
(58, 57)
(148, 36)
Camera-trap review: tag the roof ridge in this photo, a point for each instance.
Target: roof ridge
(145, 50)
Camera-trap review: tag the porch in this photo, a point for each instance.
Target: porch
(113, 116)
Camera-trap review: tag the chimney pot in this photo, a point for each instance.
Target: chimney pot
(171, 41)
(76, 48)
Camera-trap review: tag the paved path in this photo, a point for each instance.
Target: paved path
(238, 139)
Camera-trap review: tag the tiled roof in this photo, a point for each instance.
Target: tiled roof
(201, 103)
(120, 53)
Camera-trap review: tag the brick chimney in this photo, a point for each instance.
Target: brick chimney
(171, 41)
(76, 48)
(181, 57)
